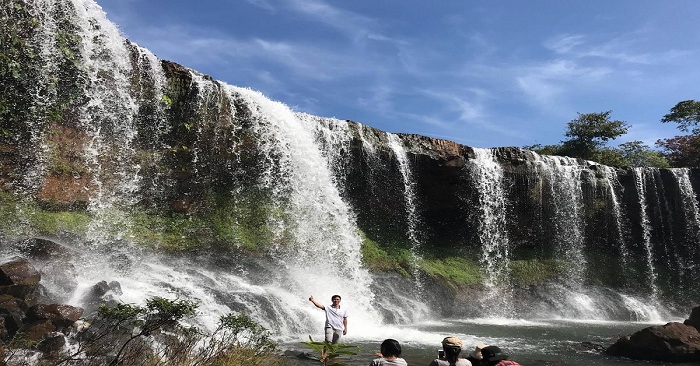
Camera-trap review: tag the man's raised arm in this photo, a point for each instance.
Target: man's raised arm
(320, 306)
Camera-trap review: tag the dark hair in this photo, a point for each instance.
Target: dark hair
(334, 296)
(451, 354)
(390, 347)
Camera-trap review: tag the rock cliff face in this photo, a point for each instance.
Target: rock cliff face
(104, 142)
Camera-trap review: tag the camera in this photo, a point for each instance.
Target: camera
(441, 354)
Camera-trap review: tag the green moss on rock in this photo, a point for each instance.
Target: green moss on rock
(456, 271)
(531, 271)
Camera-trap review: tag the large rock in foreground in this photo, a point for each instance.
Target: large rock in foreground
(673, 342)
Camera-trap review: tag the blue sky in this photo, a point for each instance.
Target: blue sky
(483, 73)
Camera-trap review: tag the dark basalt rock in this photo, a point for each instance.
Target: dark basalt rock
(43, 249)
(52, 343)
(694, 319)
(61, 315)
(673, 342)
(18, 277)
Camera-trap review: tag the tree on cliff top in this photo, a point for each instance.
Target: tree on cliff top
(683, 151)
(589, 133)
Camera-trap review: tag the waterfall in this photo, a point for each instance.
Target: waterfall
(150, 132)
(612, 181)
(639, 177)
(566, 197)
(333, 137)
(495, 246)
(691, 213)
(108, 118)
(323, 254)
(397, 147)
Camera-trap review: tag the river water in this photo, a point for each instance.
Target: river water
(541, 342)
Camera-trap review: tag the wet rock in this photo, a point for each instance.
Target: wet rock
(12, 315)
(101, 293)
(35, 331)
(60, 315)
(18, 277)
(52, 343)
(44, 249)
(694, 319)
(673, 342)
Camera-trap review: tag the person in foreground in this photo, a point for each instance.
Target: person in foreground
(476, 358)
(390, 351)
(336, 319)
(452, 346)
(493, 356)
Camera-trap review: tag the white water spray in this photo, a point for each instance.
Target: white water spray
(639, 180)
(493, 234)
(397, 147)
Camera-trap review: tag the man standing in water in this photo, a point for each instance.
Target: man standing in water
(336, 319)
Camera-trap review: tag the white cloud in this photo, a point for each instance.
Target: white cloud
(263, 4)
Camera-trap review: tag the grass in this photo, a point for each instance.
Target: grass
(377, 259)
(456, 271)
(531, 271)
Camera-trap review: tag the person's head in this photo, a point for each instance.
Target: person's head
(335, 299)
(390, 347)
(493, 354)
(452, 347)
(476, 353)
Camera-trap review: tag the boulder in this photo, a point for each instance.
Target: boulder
(37, 330)
(18, 277)
(101, 293)
(60, 315)
(43, 249)
(12, 315)
(694, 319)
(673, 342)
(52, 343)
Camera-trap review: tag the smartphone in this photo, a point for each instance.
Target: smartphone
(441, 354)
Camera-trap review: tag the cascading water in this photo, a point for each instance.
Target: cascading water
(493, 235)
(564, 177)
(333, 137)
(640, 178)
(108, 118)
(691, 214)
(611, 182)
(322, 256)
(396, 146)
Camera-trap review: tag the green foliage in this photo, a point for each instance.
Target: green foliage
(682, 151)
(589, 132)
(686, 114)
(636, 154)
(544, 149)
(587, 137)
(56, 222)
(18, 217)
(153, 334)
(167, 100)
(533, 271)
(9, 216)
(329, 353)
(456, 271)
(379, 260)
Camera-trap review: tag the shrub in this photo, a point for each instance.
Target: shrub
(155, 334)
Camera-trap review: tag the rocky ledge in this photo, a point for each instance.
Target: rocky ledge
(30, 315)
(672, 342)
